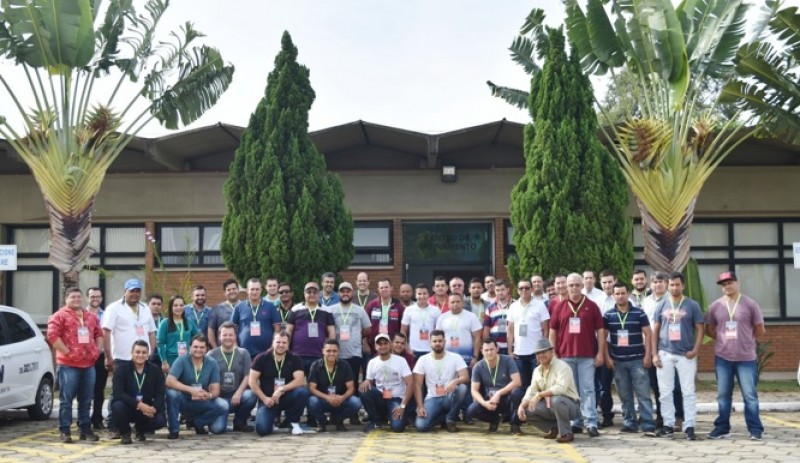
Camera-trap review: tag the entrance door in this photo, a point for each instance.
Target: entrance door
(449, 249)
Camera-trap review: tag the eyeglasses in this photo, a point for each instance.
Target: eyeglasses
(524, 288)
(285, 291)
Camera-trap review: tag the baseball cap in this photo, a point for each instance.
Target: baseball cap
(382, 336)
(726, 276)
(132, 284)
(345, 284)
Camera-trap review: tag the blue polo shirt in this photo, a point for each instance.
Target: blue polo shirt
(183, 370)
(198, 319)
(265, 314)
(615, 321)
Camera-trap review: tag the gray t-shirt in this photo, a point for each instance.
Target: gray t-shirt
(219, 315)
(685, 314)
(494, 379)
(230, 377)
(351, 321)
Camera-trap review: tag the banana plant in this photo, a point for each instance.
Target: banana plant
(671, 147)
(67, 133)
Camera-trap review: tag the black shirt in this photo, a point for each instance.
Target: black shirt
(342, 373)
(126, 388)
(266, 365)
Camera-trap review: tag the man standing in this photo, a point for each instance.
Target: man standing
(271, 286)
(462, 330)
(456, 285)
(576, 331)
(607, 300)
(604, 376)
(628, 355)
(590, 290)
(124, 322)
(75, 335)
(223, 311)
(405, 295)
(309, 327)
(561, 294)
(528, 321)
(328, 296)
(488, 282)
(495, 321)
(677, 334)
(332, 388)
(551, 401)
(256, 320)
(496, 388)
(439, 298)
(418, 322)
(385, 313)
(95, 296)
(352, 326)
(234, 366)
(445, 375)
(364, 296)
(735, 321)
(537, 285)
(138, 396)
(285, 304)
(640, 290)
(475, 303)
(198, 312)
(387, 388)
(277, 379)
(156, 303)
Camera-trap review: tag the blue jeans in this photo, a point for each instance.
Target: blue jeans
(603, 377)
(526, 364)
(240, 412)
(632, 378)
(381, 410)
(205, 412)
(506, 410)
(292, 402)
(747, 376)
(75, 382)
(442, 408)
(318, 407)
(583, 374)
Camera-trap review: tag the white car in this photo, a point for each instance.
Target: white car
(26, 365)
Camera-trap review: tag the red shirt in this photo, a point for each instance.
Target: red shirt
(65, 324)
(583, 343)
(374, 311)
(442, 308)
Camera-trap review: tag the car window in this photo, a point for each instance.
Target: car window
(18, 328)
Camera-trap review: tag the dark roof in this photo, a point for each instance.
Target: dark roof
(363, 145)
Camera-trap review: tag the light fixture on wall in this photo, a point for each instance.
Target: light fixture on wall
(448, 174)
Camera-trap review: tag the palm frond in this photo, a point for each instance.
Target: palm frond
(515, 97)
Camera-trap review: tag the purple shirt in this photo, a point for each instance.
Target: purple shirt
(303, 344)
(747, 316)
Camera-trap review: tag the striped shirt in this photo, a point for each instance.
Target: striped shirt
(632, 322)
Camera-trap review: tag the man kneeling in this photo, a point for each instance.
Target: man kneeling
(552, 400)
(331, 385)
(193, 388)
(445, 375)
(496, 388)
(138, 395)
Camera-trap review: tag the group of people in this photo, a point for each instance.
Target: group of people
(422, 359)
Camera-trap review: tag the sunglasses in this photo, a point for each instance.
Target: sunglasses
(285, 291)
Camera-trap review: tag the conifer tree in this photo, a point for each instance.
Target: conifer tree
(285, 212)
(568, 209)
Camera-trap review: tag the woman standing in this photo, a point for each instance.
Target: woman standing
(174, 334)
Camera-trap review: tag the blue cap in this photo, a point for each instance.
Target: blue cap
(132, 284)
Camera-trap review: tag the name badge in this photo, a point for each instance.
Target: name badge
(523, 330)
(490, 392)
(83, 335)
(313, 330)
(139, 398)
(279, 382)
(181, 348)
(228, 378)
(344, 333)
(331, 390)
(730, 330)
(454, 342)
(197, 386)
(423, 334)
(502, 325)
(674, 330)
(440, 390)
(574, 325)
(139, 330)
(622, 338)
(383, 328)
(387, 393)
(255, 328)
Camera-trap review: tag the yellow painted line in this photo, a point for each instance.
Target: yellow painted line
(573, 454)
(38, 453)
(27, 437)
(364, 450)
(791, 424)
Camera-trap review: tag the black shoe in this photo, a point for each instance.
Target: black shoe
(592, 431)
(355, 421)
(667, 431)
(242, 428)
(451, 427)
(311, 422)
(284, 425)
(607, 422)
(495, 424)
(628, 429)
(650, 433)
(340, 426)
(113, 435)
(322, 428)
(577, 430)
(515, 429)
(172, 436)
(89, 436)
(200, 430)
(66, 438)
(372, 425)
(690, 435)
(126, 439)
(140, 437)
(98, 425)
(659, 422)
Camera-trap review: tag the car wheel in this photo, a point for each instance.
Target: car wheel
(44, 401)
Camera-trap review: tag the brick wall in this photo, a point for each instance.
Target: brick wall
(785, 345)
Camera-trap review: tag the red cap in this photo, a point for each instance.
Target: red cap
(726, 276)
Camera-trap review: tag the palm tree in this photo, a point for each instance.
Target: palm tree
(71, 135)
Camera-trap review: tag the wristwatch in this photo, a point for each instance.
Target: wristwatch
(403, 406)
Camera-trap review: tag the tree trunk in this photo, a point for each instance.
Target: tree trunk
(666, 250)
(69, 242)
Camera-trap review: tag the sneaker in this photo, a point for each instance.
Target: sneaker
(667, 431)
(89, 436)
(755, 436)
(515, 429)
(607, 422)
(140, 437)
(172, 436)
(592, 431)
(628, 429)
(690, 435)
(650, 433)
(296, 429)
(355, 421)
(717, 433)
(126, 439)
(242, 428)
(577, 430)
(98, 425)
(341, 427)
(113, 435)
(371, 426)
(66, 438)
(495, 424)
(322, 428)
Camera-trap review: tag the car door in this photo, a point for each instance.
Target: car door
(20, 356)
(5, 368)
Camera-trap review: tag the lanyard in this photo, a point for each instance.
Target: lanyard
(496, 369)
(731, 313)
(361, 302)
(326, 301)
(79, 314)
(331, 377)
(312, 314)
(229, 362)
(623, 320)
(572, 307)
(279, 368)
(198, 373)
(284, 314)
(255, 310)
(139, 383)
(202, 313)
(180, 330)
(345, 315)
(385, 311)
(675, 310)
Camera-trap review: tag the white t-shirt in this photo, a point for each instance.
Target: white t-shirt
(439, 372)
(650, 304)
(418, 319)
(389, 374)
(459, 327)
(127, 327)
(595, 295)
(531, 316)
(486, 297)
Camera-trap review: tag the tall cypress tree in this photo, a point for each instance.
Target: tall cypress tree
(568, 210)
(285, 212)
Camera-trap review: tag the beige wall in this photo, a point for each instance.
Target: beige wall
(731, 191)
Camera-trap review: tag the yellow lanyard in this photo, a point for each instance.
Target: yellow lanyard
(180, 330)
(198, 373)
(331, 377)
(572, 307)
(279, 368)
(255, 310)
(229, 362)
(731, 313)
(622, 320)
(345, 315)
(139, 383)
(496, 369)
(675, 310)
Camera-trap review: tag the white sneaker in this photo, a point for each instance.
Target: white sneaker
(296, 429)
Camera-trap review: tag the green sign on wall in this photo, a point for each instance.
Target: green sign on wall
(447, 243)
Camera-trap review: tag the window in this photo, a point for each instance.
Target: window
(758, 250)
(18, 329)
(510, 247)
(190, 245)
(373, 242)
